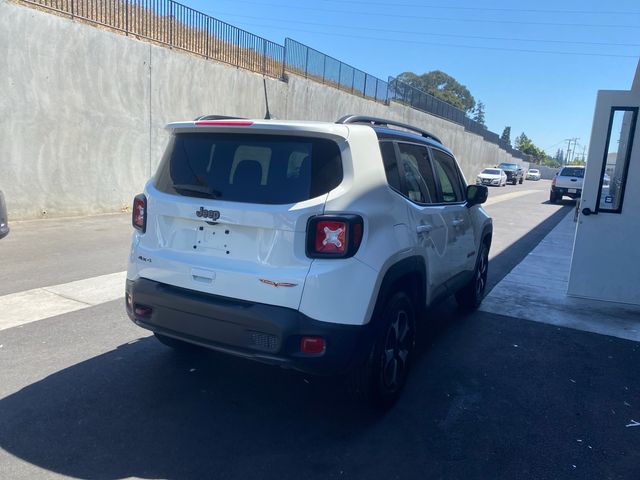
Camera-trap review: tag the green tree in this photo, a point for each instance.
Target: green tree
(559, 157)
(478, 114)
(526, 145)
(412, 79)
(441, 86)
(522, 142)
(506, 135)
(551, 162)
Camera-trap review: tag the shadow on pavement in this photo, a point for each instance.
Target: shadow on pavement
(505, 261)
(489, 397)
(142, 410)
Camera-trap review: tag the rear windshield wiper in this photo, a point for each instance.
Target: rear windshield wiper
(209, 192)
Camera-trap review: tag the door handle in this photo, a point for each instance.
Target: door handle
(457, 221)
(424, 228)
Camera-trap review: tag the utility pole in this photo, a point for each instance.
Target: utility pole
(566, 157)
(569, 141)
(573, 150)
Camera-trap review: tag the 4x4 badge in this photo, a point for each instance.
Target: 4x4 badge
(212, 214)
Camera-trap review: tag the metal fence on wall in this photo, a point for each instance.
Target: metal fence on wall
(310, 63)
(172, 24)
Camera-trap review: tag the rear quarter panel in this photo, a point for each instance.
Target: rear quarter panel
(353, 284)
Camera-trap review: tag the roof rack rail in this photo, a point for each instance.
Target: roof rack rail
(385, 123)
(217, 117)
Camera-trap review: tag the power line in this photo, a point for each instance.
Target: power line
(487, 9)
(450, 19)
(451, 35)
(554, 145)
(415, 42)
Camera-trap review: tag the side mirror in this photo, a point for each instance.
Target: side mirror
(476, 194)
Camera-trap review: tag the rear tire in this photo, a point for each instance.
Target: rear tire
(470, 296)
(514, 182)
(380, 378)
(553, 197)
(521, 180)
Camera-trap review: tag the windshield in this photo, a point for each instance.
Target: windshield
(572, 172)
(491, 171)
(533, 170)
(269, 169)
(508, 166)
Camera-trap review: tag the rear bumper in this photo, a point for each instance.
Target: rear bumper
(265, 333)
(565, 192)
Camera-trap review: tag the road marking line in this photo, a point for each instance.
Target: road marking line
(40, 303)
(507, 196)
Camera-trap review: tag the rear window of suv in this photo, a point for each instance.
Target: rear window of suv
(268, 169)
(572, 172)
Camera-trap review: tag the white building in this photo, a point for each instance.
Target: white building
(606, 253)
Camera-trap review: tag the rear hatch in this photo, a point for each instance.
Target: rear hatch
(227, 211)
(570, 178)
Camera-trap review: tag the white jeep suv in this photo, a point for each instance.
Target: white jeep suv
(310, 245)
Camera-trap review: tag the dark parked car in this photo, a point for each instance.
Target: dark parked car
(4, 222)
(515, 173)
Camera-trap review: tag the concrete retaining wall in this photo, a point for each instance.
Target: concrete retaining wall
(82, 112)
(546, 173)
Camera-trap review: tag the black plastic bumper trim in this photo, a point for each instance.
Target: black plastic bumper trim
(265, 333)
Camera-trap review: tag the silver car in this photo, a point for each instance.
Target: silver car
(4, 222)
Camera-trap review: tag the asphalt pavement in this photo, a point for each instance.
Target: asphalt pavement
(86, 394)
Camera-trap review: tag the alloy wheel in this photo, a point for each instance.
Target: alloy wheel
(481, 273)
(396, 351)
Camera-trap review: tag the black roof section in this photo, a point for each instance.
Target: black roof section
(381, 122)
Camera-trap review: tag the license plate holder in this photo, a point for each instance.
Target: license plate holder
(572, 190)
(215, 238)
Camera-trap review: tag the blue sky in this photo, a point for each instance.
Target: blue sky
(537, 66)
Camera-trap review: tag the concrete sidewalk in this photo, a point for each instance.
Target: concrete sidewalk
(536, 290)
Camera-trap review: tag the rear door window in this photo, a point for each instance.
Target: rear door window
(451, 183)
(268, 169)
(572, 172)
(416, 172)
(390, 162)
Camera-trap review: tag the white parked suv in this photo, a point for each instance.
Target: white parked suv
(309, 245)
